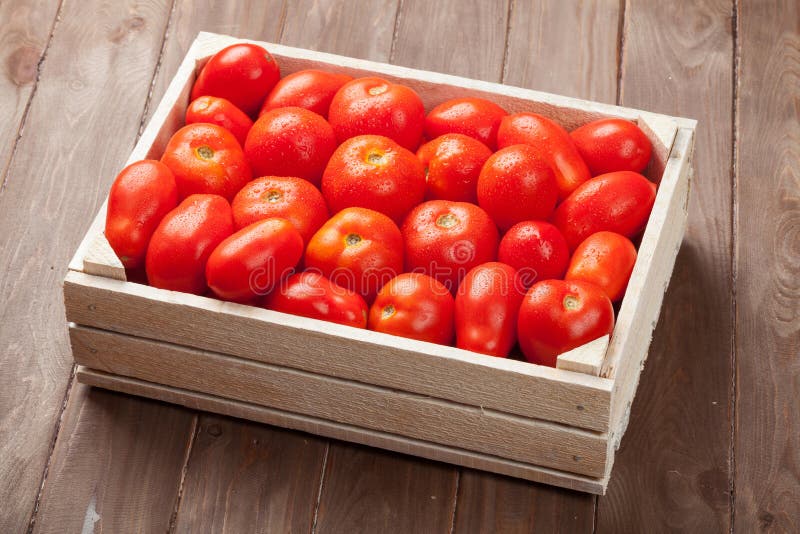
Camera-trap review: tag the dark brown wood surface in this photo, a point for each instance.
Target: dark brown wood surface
(712, 445)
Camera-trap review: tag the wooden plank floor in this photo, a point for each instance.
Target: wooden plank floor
(714, 439)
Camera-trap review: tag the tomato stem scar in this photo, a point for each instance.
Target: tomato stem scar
(448, 220)
(387, 311)
(571, 302)
(204, 152)
(352, 239)
(273, 195)
(378, 89)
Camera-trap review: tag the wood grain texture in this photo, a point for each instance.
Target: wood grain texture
(767, 431)
(673, 469)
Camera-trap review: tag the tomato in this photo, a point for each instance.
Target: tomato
(517, 185)
(242, 73)
(312, 295)
(415, 306)
(359, 249)
(376, 106)
(371, 171)
(609, 145)
(558, 316)
(446, 239)
(206, 158)
(536, 249)
(475, 117)
(309, 89)
(180, 246)
(290, 142)
(605, 259)
(552, 142)
(287, 197)
(487, 304)
(251, 262)
(140, 196)
(617, 202)
(452, 165)
(215, 110)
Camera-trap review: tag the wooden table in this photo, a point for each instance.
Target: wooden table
(714, 439)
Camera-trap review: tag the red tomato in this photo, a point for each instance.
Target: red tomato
(206, 158)
(446, 239)
(215, 110)
(618, 202)
(359, 249)
(180, 246)
(517, 185)
(452, 165)
(416, 306)
(290, 142)
(475, 117)
(536, 249)
(371, 171)
(242, 73)
(251, 262)
(312, 295)
(287, 197)
(375, 106)
(552, 142)
(605, 259)
(309, 89)
(140, 196)
(487, 304)
(610, 145)
(558, 316)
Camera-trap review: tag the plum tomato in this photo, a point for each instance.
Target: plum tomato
(221, 112)
(517, 185)
(605, 259)
(378, 107)
(310, 294)
(359, 249)
(476, 117)
(452, 165)
(617, 202)
(558, 316)
(445, 240)
(609, 145)
(310, 89)
(536, 249)
(415, 306)
(374, 172)
(185, 238)
(290, 142)
(141, 195)
(206, 158)
(487, 304)
(242, 73)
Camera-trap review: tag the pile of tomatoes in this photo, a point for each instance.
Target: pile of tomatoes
(340, 199)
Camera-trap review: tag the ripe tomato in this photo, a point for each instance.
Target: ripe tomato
(287, 197)
(309, 89)
(242, 73)
(140, 196)
(251, 262)
(371, 171)
(206, 158)
(180, 246)
(215, 110)
(446, 239)
(416, 306)
(312, 295)
(517, 185)
(609, 145)
(487, 304)
(359, 249)
(605, 259)
(558, 316)
(375, 106)
(536, 249)
(618, 202)
(552, 142)
(452, 165)
(290, 142)
(475, 117)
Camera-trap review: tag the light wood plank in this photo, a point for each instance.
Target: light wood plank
(586, 359)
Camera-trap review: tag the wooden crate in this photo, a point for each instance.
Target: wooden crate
(556, 426)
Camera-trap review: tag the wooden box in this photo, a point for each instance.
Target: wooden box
(555, 426)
